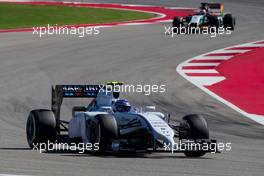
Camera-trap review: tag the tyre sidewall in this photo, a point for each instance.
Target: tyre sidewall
(44, 127)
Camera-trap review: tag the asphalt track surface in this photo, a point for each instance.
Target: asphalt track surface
(134, 54)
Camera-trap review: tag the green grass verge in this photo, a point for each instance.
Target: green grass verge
(20, 16)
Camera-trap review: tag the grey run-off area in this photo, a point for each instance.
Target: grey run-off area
(133, 54)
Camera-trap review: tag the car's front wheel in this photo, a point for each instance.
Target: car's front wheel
(194, 127)
(213, 22)
(101, 130)
(229, 22)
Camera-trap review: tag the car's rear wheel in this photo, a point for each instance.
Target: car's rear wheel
(176, 24)
(194, 127)
(102, 129)
(41, 127)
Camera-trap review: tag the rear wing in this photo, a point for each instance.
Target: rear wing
(215, 9)
(78, 91)
(59, 92)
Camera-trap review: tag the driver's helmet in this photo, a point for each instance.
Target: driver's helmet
(201, 12)
(121, 106)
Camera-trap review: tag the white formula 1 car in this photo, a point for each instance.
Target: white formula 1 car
(110, 124)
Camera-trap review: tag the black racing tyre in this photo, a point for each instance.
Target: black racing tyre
(41, 127)
(176, 22)
(194, 127)
(213, 21)
(229, 21)
(176, 25)
(101, 130)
